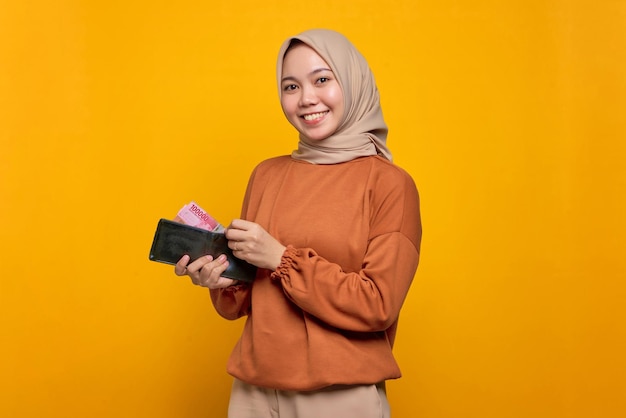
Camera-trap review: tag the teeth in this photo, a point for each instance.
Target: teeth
(314, 116)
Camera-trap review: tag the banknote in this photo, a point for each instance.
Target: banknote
(192, 214)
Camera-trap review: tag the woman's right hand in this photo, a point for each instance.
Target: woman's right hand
(205, 271)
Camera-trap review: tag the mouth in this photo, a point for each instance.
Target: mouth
(314, 116)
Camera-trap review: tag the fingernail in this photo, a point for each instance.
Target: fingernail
(222, 258)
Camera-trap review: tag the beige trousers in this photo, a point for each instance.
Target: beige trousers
(361, 401)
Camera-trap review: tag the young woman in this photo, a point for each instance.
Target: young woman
(335, 231)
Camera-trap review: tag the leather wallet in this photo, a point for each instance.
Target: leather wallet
(172, 240)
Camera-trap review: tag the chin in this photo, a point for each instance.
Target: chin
(317, 136)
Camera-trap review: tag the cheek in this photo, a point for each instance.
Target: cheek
(336, 98)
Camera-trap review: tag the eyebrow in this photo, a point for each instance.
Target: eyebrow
(317, 70)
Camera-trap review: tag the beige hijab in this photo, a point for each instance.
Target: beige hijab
(362, 131)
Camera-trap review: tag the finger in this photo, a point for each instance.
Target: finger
(181, 267)
(194, 270)
(236, 245)
(197, 265)
(233, 234)
(212, 272)
(239, 225)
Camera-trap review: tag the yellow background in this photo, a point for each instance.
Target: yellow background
(510, 115)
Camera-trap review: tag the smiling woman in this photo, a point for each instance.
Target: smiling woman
(322, 311)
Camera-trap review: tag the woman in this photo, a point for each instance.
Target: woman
(335, 231)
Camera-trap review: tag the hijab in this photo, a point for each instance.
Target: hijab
(362, 130)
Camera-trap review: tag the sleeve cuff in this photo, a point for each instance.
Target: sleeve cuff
(287, 262)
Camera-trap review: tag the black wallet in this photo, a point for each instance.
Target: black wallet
(172, 240)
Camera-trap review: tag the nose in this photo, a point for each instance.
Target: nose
(308, 96)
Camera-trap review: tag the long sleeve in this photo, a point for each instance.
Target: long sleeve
(364, 301)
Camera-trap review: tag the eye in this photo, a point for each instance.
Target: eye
(323, 80)
(289, 87)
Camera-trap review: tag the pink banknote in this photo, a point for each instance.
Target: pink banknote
(194, 215)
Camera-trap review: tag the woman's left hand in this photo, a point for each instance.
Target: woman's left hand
(250, 242)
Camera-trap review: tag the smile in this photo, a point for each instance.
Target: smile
(313, 116)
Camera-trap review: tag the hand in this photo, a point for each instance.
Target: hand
(205, 271)
(250, 242)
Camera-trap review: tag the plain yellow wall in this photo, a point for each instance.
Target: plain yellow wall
(510, 115)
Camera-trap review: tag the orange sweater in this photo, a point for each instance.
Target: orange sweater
(328, 314)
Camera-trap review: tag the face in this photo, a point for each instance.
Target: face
(311, 96)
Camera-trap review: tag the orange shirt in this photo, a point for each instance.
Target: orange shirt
(328, 314)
